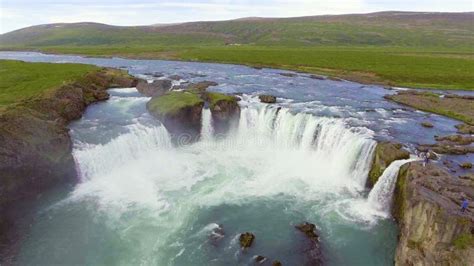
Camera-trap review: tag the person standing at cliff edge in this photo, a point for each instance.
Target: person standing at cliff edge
(464, 205)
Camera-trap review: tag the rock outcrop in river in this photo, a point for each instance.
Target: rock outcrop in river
(433, 230)
(385, 153)
(180, 111)
(312, 250)
(224, 109)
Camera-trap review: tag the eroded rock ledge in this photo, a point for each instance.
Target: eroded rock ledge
(35, 146)
(385, 153)
(433, 231)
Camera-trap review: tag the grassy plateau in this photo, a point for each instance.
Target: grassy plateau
(20, 80)
(408, 49)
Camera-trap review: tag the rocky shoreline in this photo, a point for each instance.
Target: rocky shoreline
(433, 230)
(35, 145)
(426, 207)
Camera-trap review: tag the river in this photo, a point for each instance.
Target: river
(140, 200)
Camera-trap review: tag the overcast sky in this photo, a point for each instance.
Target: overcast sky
(15, 14)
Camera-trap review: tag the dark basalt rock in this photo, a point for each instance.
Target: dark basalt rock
(260, 259)
(154, 74)
(201, 86)
(175, 77)
(427, 124)
(317, 77)
(267, 98)
(246, 239)
(289, 75)
(309, 230)
(224, 109)
(385, 153)
(427, 208)
(156, 88)
(313, 249)
(276, 263)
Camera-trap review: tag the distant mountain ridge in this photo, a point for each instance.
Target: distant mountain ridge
(390, 28)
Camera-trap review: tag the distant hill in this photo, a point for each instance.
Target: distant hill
(408, 29)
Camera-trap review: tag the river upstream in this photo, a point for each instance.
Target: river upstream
(141, 200)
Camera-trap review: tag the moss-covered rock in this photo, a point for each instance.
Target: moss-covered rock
(180, 112)
(246, 239)
(385, 153)
(225, 110)
(433, 231)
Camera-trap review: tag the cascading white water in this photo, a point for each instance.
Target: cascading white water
(207, 130)
(380, 197)
(326, 143)
(271, 153)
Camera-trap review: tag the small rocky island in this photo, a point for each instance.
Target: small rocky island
(180, 110)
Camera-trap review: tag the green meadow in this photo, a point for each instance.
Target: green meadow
(409, 49)
(441, 68)
(20, 80)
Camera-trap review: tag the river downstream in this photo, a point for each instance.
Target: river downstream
(141, 200)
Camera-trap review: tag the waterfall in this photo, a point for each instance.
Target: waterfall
(207, 130)
(380, 197)
(94, 160)
(344, 151)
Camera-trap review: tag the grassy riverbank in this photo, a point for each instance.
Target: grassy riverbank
(392, 66)
(20, 80)
(455, 107)
(406, 49)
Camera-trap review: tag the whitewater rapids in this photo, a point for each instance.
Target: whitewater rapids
(139, 179)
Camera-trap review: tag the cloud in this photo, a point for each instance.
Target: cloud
(21, 13)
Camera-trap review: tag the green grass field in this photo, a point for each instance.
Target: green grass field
(394, 66)
(408, 49)
(20, 80)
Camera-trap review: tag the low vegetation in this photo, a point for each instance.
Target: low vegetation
(392, 66)
(214, 98)
(173, 102)
(20, 80)
(408, 49)
(458, 108)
